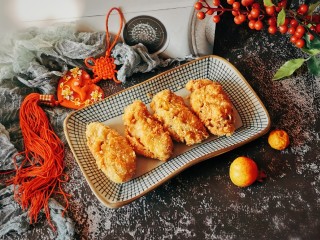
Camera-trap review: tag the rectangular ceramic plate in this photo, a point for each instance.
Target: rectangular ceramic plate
(253, 122)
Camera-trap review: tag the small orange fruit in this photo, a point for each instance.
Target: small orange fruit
(278, 139)
(243, 171)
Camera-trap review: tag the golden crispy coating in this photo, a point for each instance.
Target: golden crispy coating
(113, 154)
(182, 124)
(145, 133)
(209, 101)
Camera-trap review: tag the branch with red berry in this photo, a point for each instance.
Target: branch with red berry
(302, 25)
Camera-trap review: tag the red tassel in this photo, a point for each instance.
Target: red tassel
(41, 173)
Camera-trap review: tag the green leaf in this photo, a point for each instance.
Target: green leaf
(315, 43)
(313, 7)
(312, 47)
(268, 3)
(288, 68)
(281, 17)
(314, 65)
(311, 51)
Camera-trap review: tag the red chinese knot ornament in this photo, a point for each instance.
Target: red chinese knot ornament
(104, 67)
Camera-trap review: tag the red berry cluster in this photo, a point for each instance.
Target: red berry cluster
(297, 23)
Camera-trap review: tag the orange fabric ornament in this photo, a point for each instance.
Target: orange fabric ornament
(76, 89)
(104, 67)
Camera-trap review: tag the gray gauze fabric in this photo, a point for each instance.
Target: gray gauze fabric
(14, 219)
(33, 60)
(7, 150)
(39, 57)
(135, 59)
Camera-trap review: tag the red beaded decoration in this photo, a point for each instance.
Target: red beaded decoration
(104, 67)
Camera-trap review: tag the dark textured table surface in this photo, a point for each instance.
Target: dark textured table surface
(201, 202)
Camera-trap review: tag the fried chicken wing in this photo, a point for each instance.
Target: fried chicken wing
(182, 124)
(113, 154)
(146, 135)
(212, 105)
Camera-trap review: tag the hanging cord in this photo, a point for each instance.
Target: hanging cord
(41, 173)
(104, 67)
